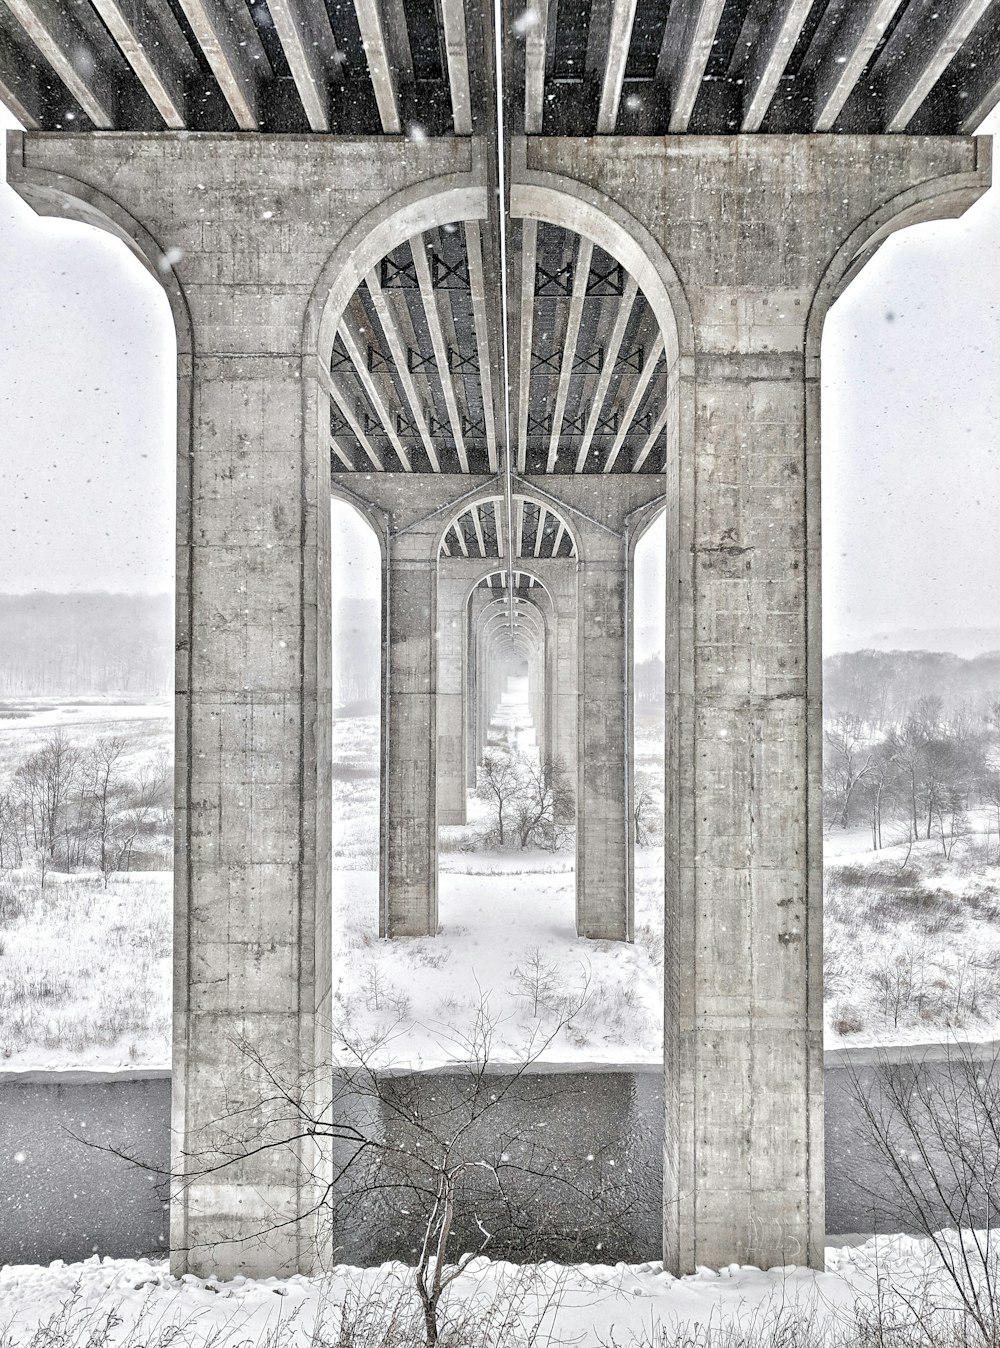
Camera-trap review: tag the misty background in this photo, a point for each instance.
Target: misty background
(911, 468)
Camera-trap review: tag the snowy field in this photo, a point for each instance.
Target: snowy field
(869, 1295)
(912, 938)
(26, 723)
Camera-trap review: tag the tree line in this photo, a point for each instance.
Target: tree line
(922, 775)
(879, 688)
(70, 808)
(75, 645)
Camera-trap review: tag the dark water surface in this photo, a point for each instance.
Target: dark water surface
(577, 1156)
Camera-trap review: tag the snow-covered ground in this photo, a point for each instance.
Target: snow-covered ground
(26, 723)
(912, 943)
(85, 971)
(112, 1302)
(507, 936)
(912, 938)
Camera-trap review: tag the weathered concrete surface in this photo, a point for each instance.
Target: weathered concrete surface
(752, 239)
(742, 243)
(250, 227)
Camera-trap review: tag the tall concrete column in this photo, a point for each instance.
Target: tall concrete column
(601, 824)
(451, 698)
(746, 242)
(410, 881)
(240, 230)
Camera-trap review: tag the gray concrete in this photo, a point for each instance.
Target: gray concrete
(748, 278)
(737, 246)
(68, 1200)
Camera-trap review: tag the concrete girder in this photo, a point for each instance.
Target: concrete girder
(769, 57)
(149, 38)
(379, 66)
(619, 39)
(858, 34)
(235, 55)
(529, 243)
(913, 67)
(534, 70)
(350, 416)
(477, 284)
(375, 397)
(65, 46)
(397, 349)
(638, 393)
(581, 276)
(611, 351)
(311, 52)
(687, 44)
(20, 85)
(457, 54)
(440, 346)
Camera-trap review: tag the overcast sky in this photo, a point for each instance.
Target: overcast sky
(911, 408)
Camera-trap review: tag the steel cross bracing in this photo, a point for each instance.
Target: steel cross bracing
(571, 67)
(430, 372)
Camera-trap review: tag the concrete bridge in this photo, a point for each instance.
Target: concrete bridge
(514, 281)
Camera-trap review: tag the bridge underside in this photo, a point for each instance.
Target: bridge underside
(514, 294)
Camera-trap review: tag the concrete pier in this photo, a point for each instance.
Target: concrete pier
(670, 292)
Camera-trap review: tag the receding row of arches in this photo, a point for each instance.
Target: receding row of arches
(505, 665)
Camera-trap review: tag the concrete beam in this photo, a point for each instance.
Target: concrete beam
(534, 71)
(304, 32)
(611, 349)
(20, 88)
(238, 65)
(433, 315)
(638, 393)
(477, 283)
(346, 406)
(687, 44)
(658, 427)
(619, 40)
(65, 46)
(141, 34)
(397, 349)
(529, 244)
(379, 66)
(374, 396)
(768, 59)
(859, 33)
(983, 89)
(581, 275)
(909, 81)
(457, 51)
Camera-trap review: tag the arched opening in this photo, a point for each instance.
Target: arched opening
(356, 607)
(507, 577)
(506, 692)
(910, 561)
(87, 515)
(647, 763)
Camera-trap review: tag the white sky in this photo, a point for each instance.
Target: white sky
(911, 406)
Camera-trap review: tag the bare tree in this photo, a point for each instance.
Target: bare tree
(545, 804)
(847, 760)
(456, 1160)
(933, 1130)
(499, 784)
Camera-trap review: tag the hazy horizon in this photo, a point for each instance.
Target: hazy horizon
(911, 401)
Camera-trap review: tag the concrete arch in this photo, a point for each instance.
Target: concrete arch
(562, 201)
(489, 493)
(61, 197)
(423, 206)
(539, 583)
(942, 198)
